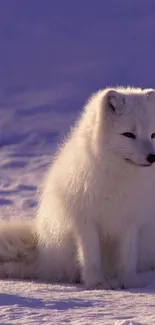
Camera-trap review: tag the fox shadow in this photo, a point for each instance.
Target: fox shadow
(61, 304)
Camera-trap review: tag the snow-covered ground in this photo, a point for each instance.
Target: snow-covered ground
(53, 54)
(32, 303)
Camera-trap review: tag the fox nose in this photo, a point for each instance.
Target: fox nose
(151, 158)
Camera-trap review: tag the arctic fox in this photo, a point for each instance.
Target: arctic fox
(96, 215)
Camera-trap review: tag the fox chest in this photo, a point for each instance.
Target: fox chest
(128, 205)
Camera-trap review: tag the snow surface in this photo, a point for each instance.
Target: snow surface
(53, 54)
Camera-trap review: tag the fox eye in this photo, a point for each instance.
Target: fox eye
(152, 135)
(130, 135)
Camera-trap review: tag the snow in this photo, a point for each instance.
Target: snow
(35, 303)
(53, 55)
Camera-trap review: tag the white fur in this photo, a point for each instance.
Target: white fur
(96, 217)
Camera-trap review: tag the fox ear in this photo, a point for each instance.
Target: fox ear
(114, 102)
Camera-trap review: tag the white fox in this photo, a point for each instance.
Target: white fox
(96, 219)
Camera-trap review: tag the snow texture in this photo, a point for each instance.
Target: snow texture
(53, 54)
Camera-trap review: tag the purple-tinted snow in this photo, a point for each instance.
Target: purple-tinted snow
(53, 54)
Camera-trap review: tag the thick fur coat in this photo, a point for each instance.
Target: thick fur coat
(96, 215)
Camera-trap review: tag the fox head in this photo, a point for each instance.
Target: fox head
(128, 124)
